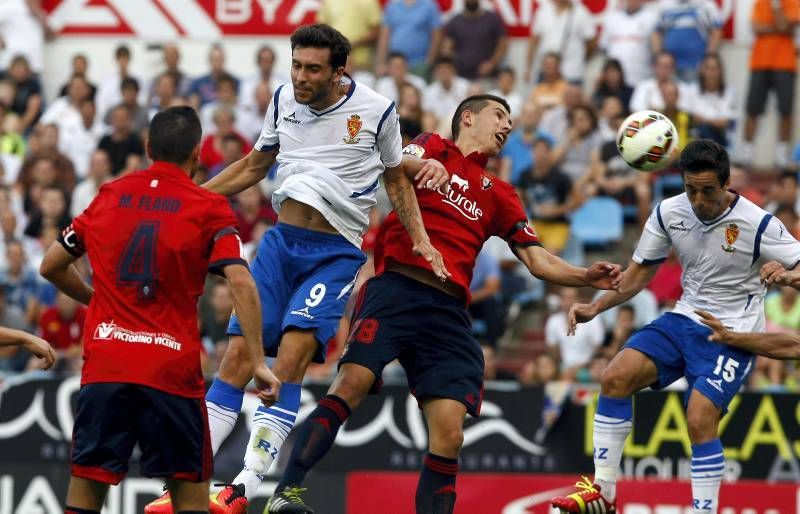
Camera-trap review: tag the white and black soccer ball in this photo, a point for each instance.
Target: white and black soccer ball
(646, 140)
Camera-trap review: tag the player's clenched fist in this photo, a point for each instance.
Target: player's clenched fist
(433, 175)
(268, 385)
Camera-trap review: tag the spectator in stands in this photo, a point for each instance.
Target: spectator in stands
(51, 212)
(573, 154)
(12, 358)
(624, 326)
(571, 352)
(252, 207)
(675, 109)
(23, 31)
(784, 192)
(78, 140)
(265, 62)
(610, 175)
(476, 40)
(688, 30)
(20, 280)
(666, 284)
(250, 119)
(396, 75)
(517, 154)
(486, 305)
(555, 121)
(608, 114)
(490, 370)
(11, 143)
(123, 146)
(360, 22)
(773, 66)
(232, 151)
(226, 97)
(548, 196)
(129, 90)
(540, 371)
(204, 88)
(647, 93)
(625, 36)
(215, 312)
(164, 94)
(80, 68)
(62, 326)
(412, 28)
(99, 174)
(506, 88)
(413, 120)
(211, 147)
(549, 92)
(611, 82)
(109, 93)
(712, 102)
(442, 96)
(564, 28)
(172, 59)
(65, 112)
(43, 145)
(27, 101)
(740, 182)
(790, 219)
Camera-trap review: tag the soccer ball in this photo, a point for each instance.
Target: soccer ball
(646, 140)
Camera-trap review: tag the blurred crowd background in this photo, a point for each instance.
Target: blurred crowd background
(578, 81)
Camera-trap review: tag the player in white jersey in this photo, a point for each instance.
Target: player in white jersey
(333, 139)
(722, 241)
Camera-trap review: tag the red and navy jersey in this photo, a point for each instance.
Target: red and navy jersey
(150, 237)
(477, 206)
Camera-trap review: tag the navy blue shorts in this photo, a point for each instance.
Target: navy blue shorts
(172, 432)
(679, 346)
(304, 278)
(427, 330)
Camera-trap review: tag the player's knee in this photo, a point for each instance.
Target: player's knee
(447, 441)
(616, 382)
(702, 425)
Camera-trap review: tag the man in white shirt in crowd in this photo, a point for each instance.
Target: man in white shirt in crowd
(397, 75)
(78, 140)
(647, 93)
(447, 90)
(23, 31)
(572, 352)
(625, 36)
(99, 173)
(265, 61)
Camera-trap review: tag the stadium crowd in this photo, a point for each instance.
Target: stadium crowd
(55, 153)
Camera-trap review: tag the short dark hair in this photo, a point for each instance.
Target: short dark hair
(706, 155)
(396, 55)
(174, 134)
(476, 104)
(228, 78)
(507, 70)
(320, 35)
(122, 51)
(443, 60)
(129, 83)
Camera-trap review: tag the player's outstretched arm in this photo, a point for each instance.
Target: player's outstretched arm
(426, 173)
(401, 194)
(248, 309)
(57, 267)
(773, 345)
(36, 345)
(546, 266)
(245, 172)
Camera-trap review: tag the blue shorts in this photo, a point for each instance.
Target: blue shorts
(430, 333)
(679, 346)
(172, 433)
(304, 279)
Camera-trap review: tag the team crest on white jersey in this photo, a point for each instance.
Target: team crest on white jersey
(354, 124)
(731, 235)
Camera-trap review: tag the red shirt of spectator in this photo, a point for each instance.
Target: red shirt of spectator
(62, 324)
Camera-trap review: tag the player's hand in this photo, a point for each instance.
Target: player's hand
(774, 273)
(42, 349)
(433, 175)
(268, 385)
(579, 313)
(719, 332)
(426, 250)
(604, 275)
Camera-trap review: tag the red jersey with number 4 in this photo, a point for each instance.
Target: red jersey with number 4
(477, 206)
(150, 237)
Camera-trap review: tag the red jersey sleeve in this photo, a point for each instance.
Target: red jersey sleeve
(226, 245)
(72, 238)
(425, 146)
(511, 221)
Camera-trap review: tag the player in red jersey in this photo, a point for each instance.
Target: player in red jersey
(151, 236)
(406, 312)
